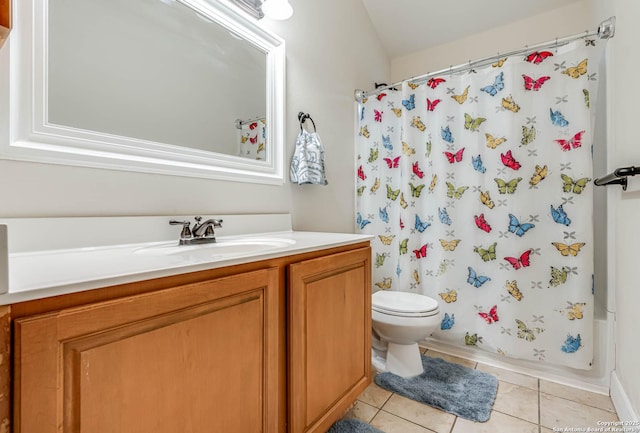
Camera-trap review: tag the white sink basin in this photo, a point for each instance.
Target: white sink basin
(221, 249)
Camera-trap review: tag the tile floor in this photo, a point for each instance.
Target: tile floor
(524, 404)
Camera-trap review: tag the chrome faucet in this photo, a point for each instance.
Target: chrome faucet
(201, 233)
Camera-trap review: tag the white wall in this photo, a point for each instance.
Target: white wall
(624, 150)
(332, 49)
(567, 20)
(329, 55)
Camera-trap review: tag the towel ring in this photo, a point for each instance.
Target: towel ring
(304, 116)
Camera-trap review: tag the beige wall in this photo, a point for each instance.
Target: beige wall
(331, 50)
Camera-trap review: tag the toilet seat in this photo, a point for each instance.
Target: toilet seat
(404, 304)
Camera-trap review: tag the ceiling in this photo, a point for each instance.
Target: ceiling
(407, 26)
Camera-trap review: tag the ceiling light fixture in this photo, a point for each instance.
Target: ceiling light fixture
(277, 9)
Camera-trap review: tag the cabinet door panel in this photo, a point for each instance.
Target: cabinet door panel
(330, 337)
(201, 361)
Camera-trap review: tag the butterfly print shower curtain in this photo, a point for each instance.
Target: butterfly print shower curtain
(252, 137)
(478, 189)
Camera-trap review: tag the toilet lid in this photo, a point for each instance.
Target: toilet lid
(402, 302)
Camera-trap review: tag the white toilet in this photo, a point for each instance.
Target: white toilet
(400, 320)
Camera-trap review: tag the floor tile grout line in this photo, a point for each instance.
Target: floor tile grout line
(381, 409)
(408, 420)
(475, 367)
(540, 390)
(539, 423)
(513, 416)
(387, 400)
(374, 415)
(456, 417)
(592, 405)
(579, 402)
(539, 410)
(455, 420)
(368, 404)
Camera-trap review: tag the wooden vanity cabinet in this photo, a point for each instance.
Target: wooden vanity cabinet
(281, 345)
(193, 358)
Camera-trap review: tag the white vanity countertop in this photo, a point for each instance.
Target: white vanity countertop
(41, 274)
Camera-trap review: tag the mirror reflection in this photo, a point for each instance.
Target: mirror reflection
(155, 70)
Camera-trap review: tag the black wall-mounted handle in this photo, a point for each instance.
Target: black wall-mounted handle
(618, 177)
(304, 116)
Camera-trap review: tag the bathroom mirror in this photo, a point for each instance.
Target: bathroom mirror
(187, 87)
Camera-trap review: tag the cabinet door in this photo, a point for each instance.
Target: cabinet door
(329, 337)
(197, 358)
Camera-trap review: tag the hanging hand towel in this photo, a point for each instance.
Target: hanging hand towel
(307, 164)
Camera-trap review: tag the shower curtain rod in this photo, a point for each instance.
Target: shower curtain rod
(606, 30)
(240, 122)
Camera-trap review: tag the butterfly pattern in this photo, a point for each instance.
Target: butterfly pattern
(520, 262)
(487, 254)
(454, 157)
(491, 316)
(534, 84)
(477, 189)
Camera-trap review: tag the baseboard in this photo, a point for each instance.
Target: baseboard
(621, 401)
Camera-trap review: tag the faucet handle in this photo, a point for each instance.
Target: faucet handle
(210, 224)
(186, 231)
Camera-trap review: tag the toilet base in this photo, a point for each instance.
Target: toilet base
(404, 359)
(378, 361)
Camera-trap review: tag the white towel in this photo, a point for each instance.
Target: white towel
(307, 164)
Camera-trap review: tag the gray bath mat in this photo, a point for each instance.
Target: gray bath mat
(352, 426)
(447, 386)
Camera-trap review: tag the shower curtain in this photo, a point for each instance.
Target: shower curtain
(252, 139)
(478, 189)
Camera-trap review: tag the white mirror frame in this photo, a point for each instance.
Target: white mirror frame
(33, 138)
